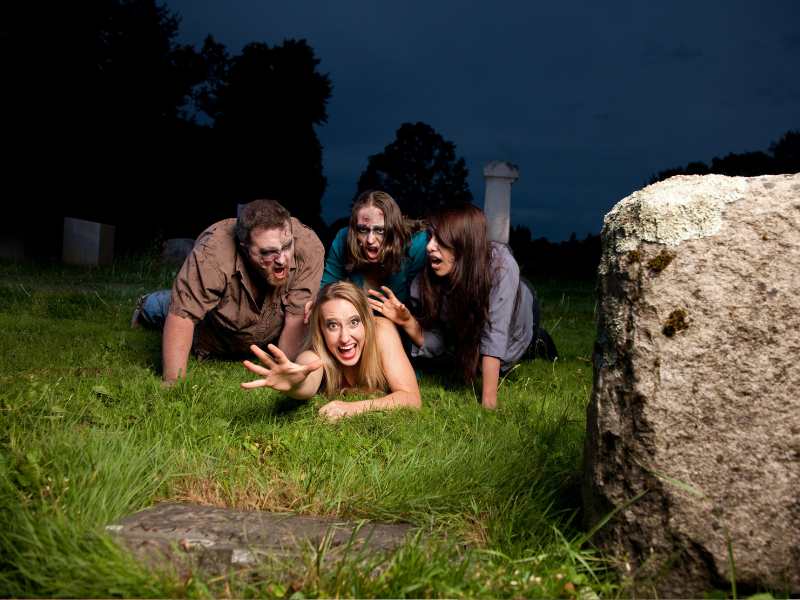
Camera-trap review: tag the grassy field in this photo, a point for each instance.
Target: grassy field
(88, 435)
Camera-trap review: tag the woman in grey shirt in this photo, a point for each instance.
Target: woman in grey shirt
(470, 300)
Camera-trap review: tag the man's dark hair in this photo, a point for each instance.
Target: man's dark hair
(260, 214)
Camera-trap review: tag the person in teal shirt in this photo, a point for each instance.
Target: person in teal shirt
(379, 248)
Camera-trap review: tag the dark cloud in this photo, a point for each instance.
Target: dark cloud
(681, 53)
(781, 94)
(791, 41)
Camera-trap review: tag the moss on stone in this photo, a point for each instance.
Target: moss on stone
(661, 261)
(676, 321)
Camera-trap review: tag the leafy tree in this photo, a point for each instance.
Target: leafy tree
(95, 110)
(101, 109)
(264, 104)
(420, 170)
(787, 152)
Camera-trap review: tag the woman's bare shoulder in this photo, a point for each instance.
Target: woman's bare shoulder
(306, 357)
(385, 329)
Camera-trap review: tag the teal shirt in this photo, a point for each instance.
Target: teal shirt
(399, 283)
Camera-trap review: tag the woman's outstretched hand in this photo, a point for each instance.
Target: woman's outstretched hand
(277, 372)
(389, 306)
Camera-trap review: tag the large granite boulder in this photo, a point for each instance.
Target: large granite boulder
(694, 422)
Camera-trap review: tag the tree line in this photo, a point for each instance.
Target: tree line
(783, 156)
(110, 119)
(576, 259)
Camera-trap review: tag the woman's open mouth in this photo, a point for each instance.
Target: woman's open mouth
(348, 351)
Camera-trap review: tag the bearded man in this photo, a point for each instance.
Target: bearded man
(246, 281)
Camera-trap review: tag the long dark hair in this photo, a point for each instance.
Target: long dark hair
(397, 236)
(461, 230)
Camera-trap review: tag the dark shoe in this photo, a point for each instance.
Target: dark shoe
(544, 346)
(135, 322)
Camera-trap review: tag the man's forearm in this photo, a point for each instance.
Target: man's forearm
(292, 335)
(175, 346)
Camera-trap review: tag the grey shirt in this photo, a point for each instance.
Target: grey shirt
(509, 329)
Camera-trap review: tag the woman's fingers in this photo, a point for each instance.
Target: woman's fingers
(379, 297)
(256, 383)
(332, 412)
(257, 369)
(262, 356)
(389, 293)
(280, 357)
(375, 304)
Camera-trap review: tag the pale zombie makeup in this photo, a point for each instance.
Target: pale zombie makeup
(271, 251)
(343, 331)
(441, 259)
(370, 229)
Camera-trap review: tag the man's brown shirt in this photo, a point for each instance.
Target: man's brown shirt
(215, 289)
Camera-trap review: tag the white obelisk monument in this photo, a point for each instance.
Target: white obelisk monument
(499, 176)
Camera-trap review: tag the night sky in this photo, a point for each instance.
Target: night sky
(589, 99)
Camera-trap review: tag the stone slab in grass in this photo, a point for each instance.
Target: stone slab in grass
(217, 539)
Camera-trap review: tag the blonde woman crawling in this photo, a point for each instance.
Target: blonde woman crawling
(349, 349)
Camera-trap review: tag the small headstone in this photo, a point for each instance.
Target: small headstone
(175, 250)
(499, 175)
(87, 243)
(694, 421)
(219, 538)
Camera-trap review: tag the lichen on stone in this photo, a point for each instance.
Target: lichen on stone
(670, 211)
(676, 321)
(661, 261)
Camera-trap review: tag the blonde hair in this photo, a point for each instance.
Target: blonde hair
(369, 371)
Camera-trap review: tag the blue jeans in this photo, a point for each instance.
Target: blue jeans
(153, 309)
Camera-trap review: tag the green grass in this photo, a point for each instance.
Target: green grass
(88, 435)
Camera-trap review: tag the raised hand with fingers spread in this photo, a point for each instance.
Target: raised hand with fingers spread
(389, 306)
(299, 379)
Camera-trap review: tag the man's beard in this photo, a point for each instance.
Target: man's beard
(273, 281)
